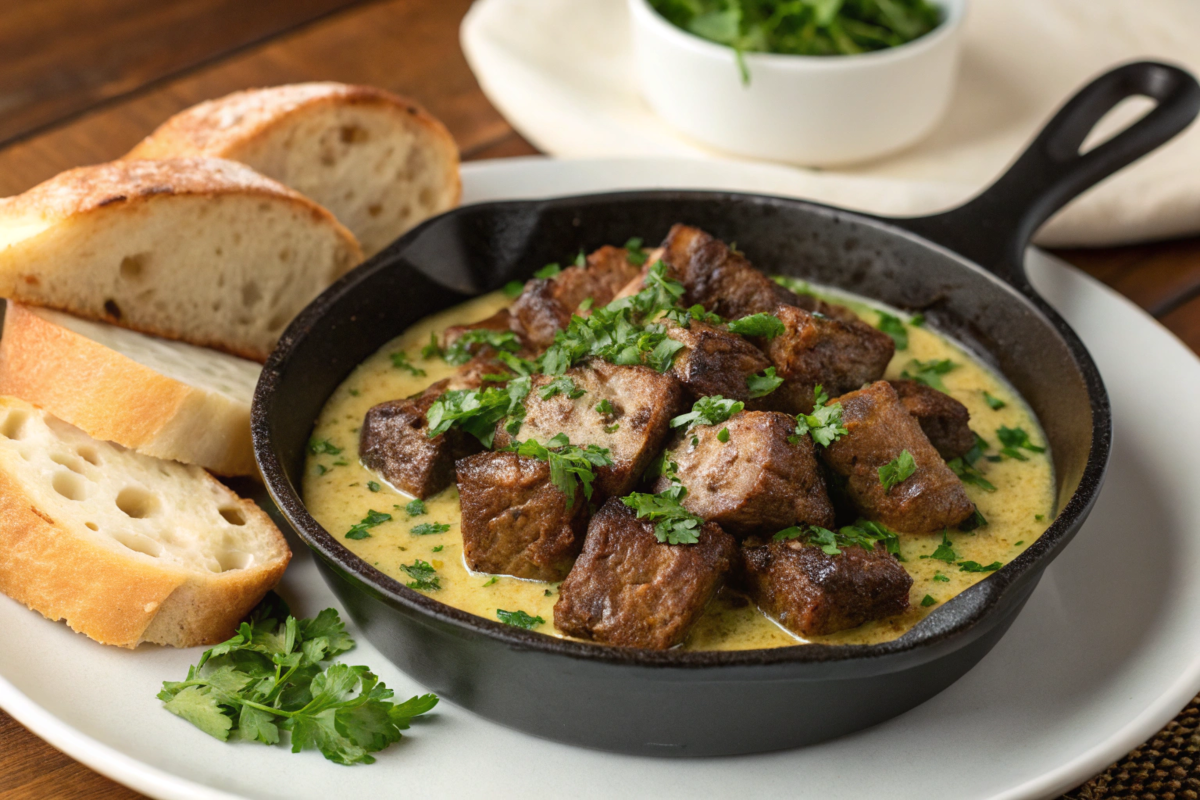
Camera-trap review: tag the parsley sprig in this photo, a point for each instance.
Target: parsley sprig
(1015, 440)
(766, 326)
(763, 385)
(272, 677)
(519, 619)
(824, 424)
(477, 411)
(569, 464)
(929, 372)
(893, 326)
(710, 410)
(964, 466)
(360, 530)
(897, 471)
(862, 533)
(400, 361)
(424, 576)
(561, 385)
(459, 351)
(673, 524)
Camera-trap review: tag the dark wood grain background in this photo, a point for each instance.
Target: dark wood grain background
(82, 81)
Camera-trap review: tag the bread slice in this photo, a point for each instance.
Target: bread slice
(162, 398)
(125, 547)
(198, 249)
(378, 161)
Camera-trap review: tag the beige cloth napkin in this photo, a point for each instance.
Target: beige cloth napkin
(561, 71)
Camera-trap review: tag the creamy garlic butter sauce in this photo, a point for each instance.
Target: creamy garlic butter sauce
(339, 492)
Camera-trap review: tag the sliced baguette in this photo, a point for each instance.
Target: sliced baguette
(378, 161)
(197, 249)
(125, 547)
(165, 399)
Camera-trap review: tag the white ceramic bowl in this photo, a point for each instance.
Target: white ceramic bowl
(813, 110)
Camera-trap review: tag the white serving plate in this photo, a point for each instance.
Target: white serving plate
(1103, 655)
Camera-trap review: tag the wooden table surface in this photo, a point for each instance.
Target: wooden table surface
(81, 83)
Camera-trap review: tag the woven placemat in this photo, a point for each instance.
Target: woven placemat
(1165, 768)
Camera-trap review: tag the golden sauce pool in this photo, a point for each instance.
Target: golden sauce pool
(340, 493)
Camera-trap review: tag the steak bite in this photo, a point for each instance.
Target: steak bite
(633, 424)
(631, 590)
(514, 520)
(879, 430)
(943, 418)
(546, 305)
(499, 322)
(812, 593)
(394, 442)
(756, 481)
(814, 350)
(715, 361)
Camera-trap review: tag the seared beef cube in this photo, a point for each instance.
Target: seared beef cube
(715, 361)
(514, 520)
(393, 441)
(756, 481)
(631, 590)
(546, 305)
(943, 418)
(500, 321)
(813, 350)
(812, 593)
(879, 429)
(643, 402)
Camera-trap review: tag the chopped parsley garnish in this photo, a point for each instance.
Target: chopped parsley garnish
(604, 407)
(929, 372)
(569, 463)
(673, 524)
(547, 593)
(944, 552)
(477, 411)
(373, 486)
(940, 578)
(400, 361)
(561, 385)
(513, 289)
(975, 566)
(415, 508)
(917, 320)
(586, 304)
(272, 677)
(439, 548)
(767, 326)
(1039, 517)
(824, 424)
(426, 528)
(518, 365)
(994, 403)
(763, 385)
(723, 435)
(322, 446)
(897, 470)
(662, 466)
(548, 271)
(371, 520)
(424, 576)
(927, 601)
(580, 259)
(964, 466)
(683, 316)
(431, 350)
(893, 326)
(519, 619)
(976, 520)
(634, 253)
(612, 428)
(1015, 439)
(322, 469)
(459, 352)
(491, 581)
(711, 410)
(794, 285)
(862, 533)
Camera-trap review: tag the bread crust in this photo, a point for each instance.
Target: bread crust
(227, 125)
(112, 397)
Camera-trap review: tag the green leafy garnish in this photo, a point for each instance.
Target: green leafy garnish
(519, 619)
(994, 403)
(586, 304)
(893, 326)
(944, 552)
(964, 466)
(862, 533)
(929, 372)
(477, 411)
(272, 678)
(683, 316)
(561, 385)
(975, 566)
(634, 253)
(976, 520)
(459, 352)
(767, 326)
(662, 466)
(431, 350)
(927, 601)
(491, 581)
(322, 446)
(580, 259)
(940, 578)
(426, 528)
(1014, 438)
(373, 519)
(424, 576)
(548, 271)
(513, 289)
(917, 320)
(710, 410)
(569, 463)
(723, 435)
(824, 424)
(373, 486)
(604, 407)
(897, 470)
(415, 508)
(763, 385)
(400, 361)
(439, 548)
(673, 523)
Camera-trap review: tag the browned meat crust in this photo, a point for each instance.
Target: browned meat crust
(812, 594)
(393, 442)
(631, 590)
(643, 402)
(944, 419)
(757, 481)
(514, 520)
(879, 430)
(715, 361)
(812, 350)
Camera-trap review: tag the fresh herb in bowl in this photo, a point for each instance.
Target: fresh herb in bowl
(802, 27)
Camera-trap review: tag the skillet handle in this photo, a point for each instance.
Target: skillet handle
(994, 228)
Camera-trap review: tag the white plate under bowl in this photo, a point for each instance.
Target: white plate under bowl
(1103, 655)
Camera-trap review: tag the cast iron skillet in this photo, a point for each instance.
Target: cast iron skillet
(962, 268)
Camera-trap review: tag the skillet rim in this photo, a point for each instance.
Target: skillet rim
(952, 625)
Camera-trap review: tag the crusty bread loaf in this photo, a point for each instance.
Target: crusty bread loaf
(162, 398)
(125, 547)
(198, 249)
(379, 162)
